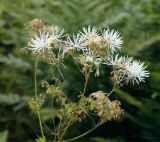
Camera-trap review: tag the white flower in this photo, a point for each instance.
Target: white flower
(135, 70)
(127, 69)
(90, 35)
(57, 32)
(91, 58)
(112, 39)
(89, 31)
(77, 42)
(114, 61)
(40, 43)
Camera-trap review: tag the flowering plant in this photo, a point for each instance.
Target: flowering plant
(93, 49)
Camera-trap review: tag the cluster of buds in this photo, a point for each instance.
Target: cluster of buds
(104, 107)
(68, 111)
(56, 92)
(98, 103)
(74, 111)
(36, 104)
(81, 114)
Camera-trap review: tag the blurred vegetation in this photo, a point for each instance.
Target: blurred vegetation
(139, 23)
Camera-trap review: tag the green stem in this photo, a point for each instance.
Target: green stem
(65, 130)
(86, 82)
(57, 82)
(53, 114)
(36, 96)
(75, 138)
(40, 124)
(114, 87)
(35, 79)
(76, 63)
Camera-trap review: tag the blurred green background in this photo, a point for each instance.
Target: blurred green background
(138, 21)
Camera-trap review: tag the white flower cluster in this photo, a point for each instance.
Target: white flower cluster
(90, 36)
(95, 48)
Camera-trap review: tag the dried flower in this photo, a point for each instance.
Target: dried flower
(104, 107)
(57, 32)
(34, 25)
(88, 59)
(90, 35)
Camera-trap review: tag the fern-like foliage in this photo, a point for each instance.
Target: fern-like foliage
(137, 20)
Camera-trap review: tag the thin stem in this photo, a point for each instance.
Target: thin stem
(35, 79)
(75, 138)
(65, 130)
(60, 71)
(54, 126)
(36, 96)
(86, 82)
(113, 89)
(59, 129)
(57, 80)
(40, 123)
(76, 63)
(53, 114)
(47, 127)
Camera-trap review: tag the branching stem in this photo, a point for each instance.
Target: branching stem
(85, 133)
(65, 130)
(113, 89)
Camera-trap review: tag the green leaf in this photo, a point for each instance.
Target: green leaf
(130, 99)
(3, 136)
(98, 139)
(40, 139)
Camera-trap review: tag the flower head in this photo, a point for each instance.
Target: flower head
(40, 43)
(112, 39)
(135, 70)
(90, 35)
(113, 60)
(92, 58)
(127, 69)
(89, 31)
(57, 32)
(77, 42)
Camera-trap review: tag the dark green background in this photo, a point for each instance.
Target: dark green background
(138, 21)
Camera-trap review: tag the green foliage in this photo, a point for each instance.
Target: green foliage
(41, 139)
(148, 109)
(96, 139)
(139, 23)
(4, 136)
